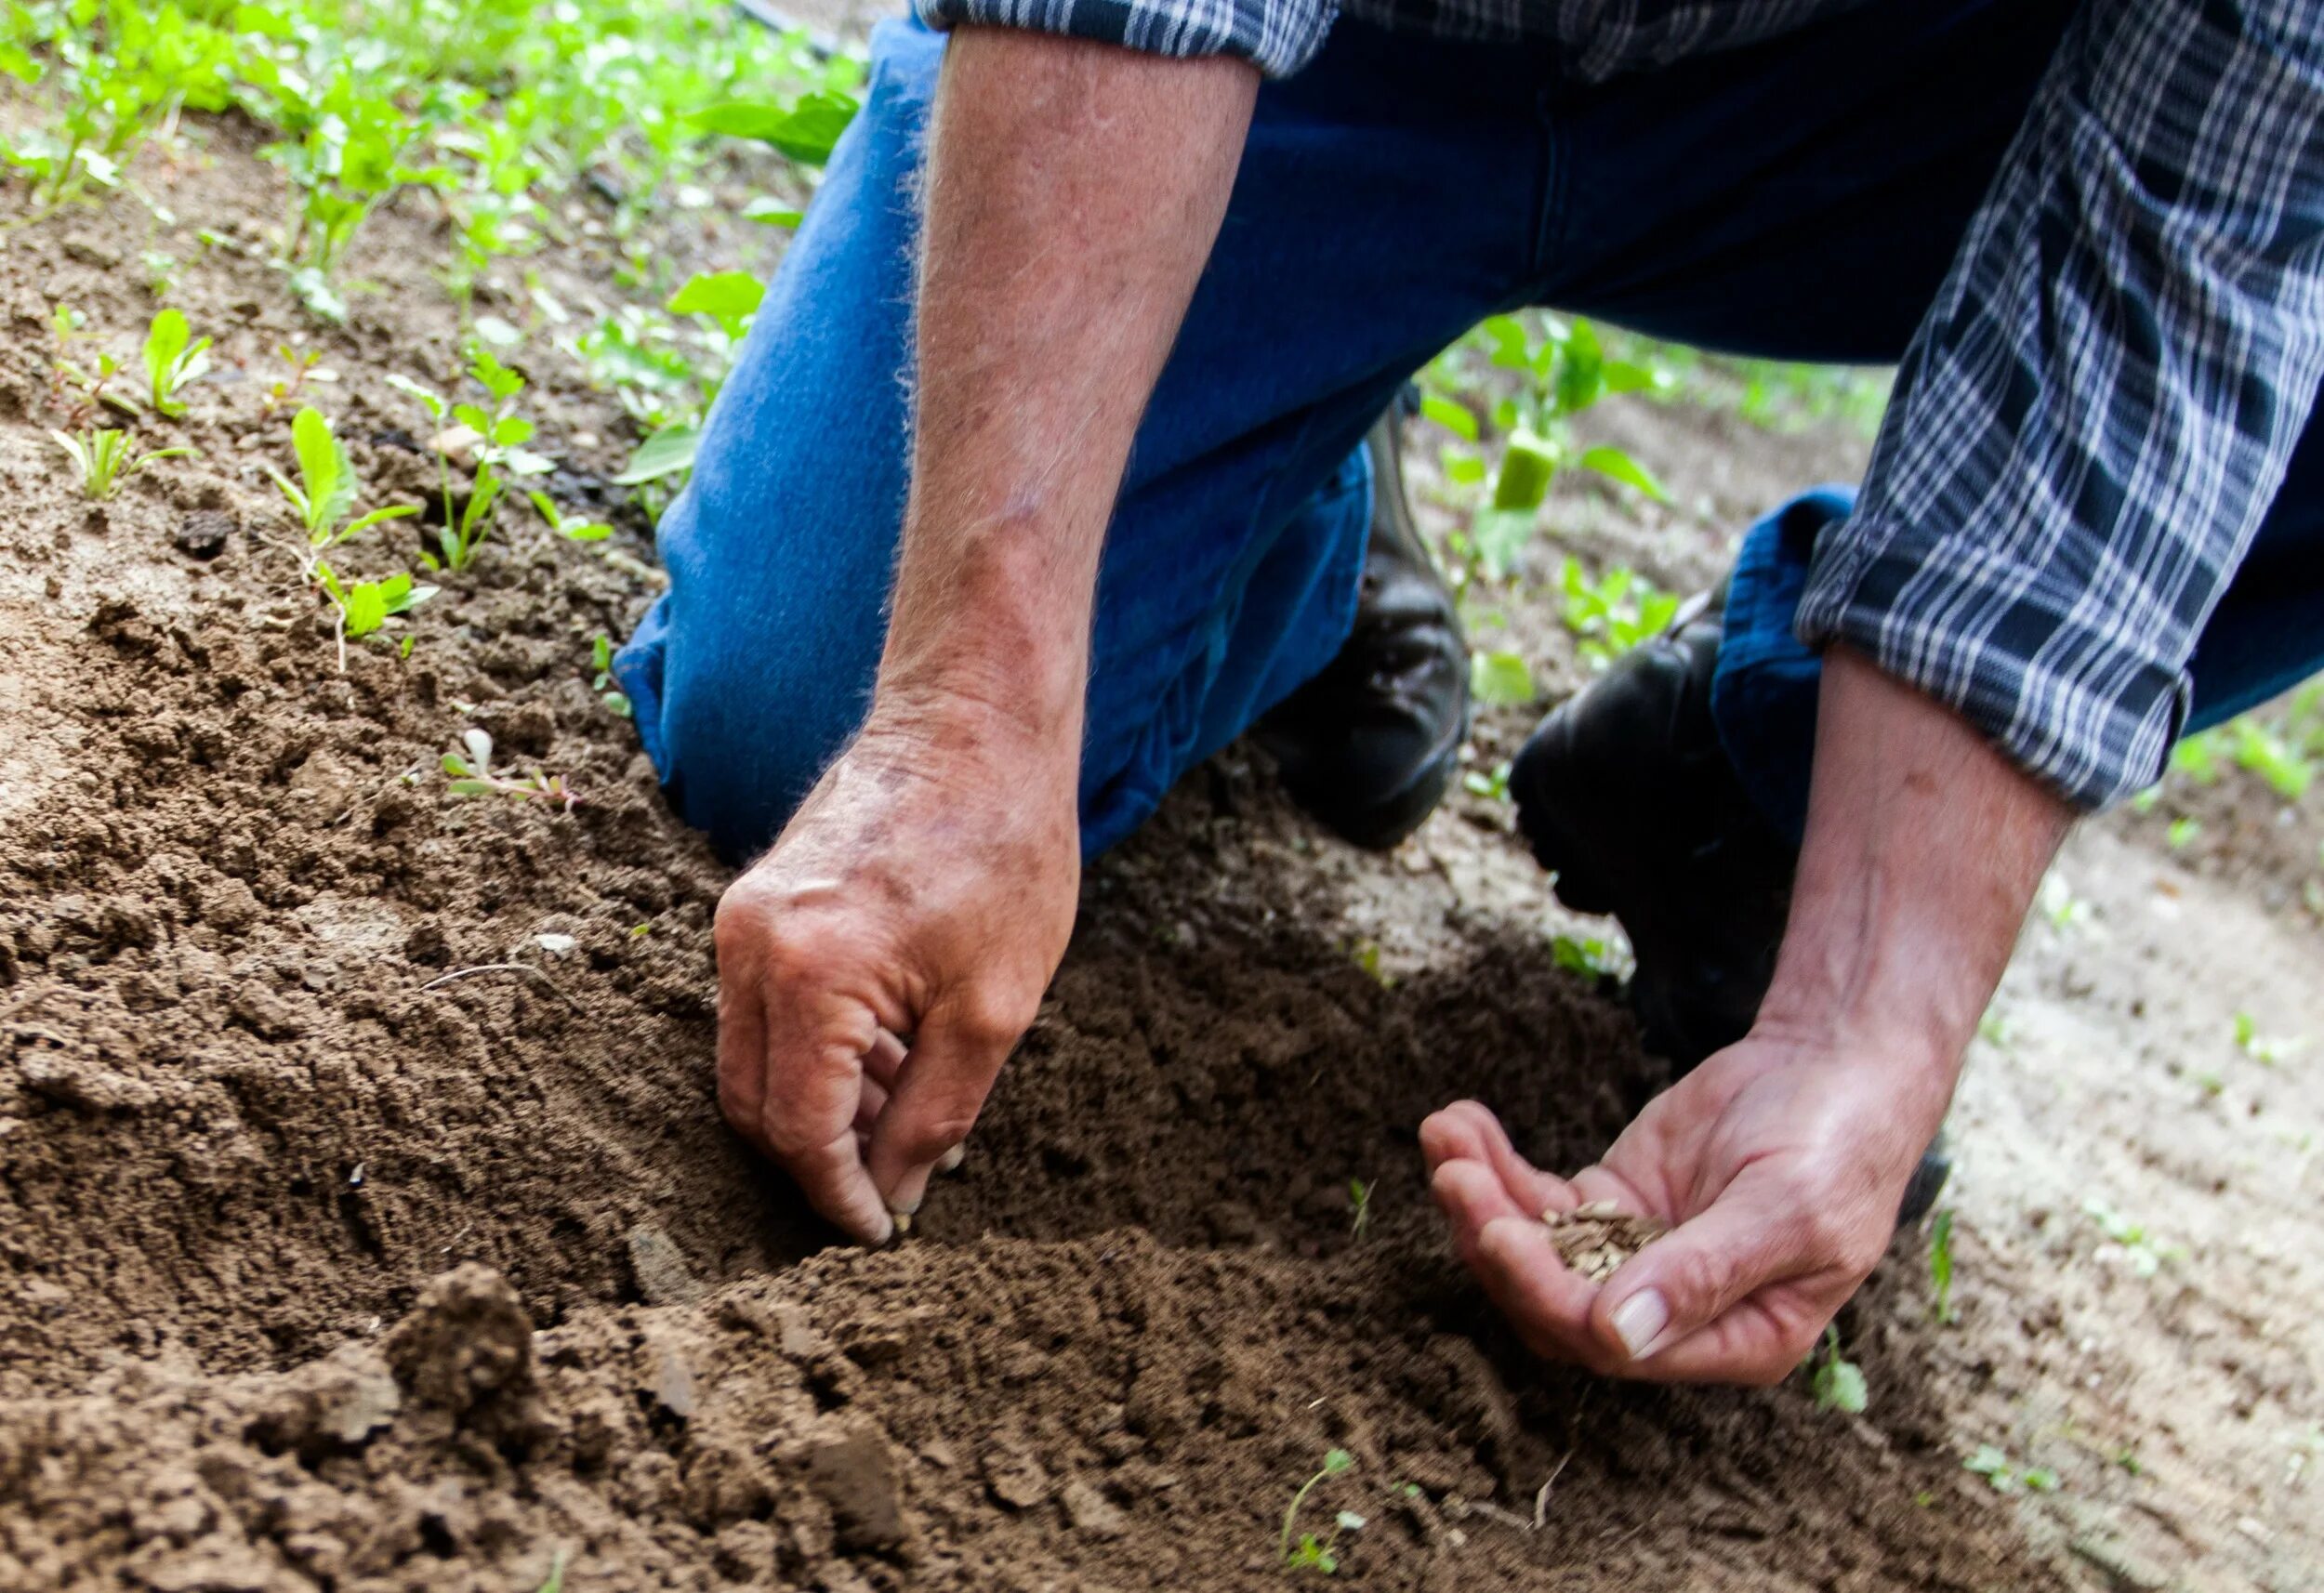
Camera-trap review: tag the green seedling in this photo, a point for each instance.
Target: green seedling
(1995, 1466)
(174, 361)
(1492, 784)
(729, 299)
(2266, 1049)
(2146, 1253)
(365, 607)
(2183, 832)
(1941, 1306)
(1837, 1384)
(1592, 958)
(1615, 613)
(601, 662)
(1307, 1551)
(1360, 1203)
(304, 368)
(572, 528)
(1368, 958)
(2059, 904)
(495, 437)
(1501, 678)
(472, 775)
(105, 459)
(324, 494)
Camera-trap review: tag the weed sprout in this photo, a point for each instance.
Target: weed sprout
(1309, 1552)
(105, 459)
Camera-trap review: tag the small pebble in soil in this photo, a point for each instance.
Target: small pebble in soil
(1595, 1239)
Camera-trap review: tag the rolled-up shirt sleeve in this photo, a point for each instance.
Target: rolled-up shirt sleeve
(2097, 410)
(1278, 36)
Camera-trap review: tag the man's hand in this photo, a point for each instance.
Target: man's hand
(1779, 1166)
(925, 889)
(877, 967)
(1780, 1162)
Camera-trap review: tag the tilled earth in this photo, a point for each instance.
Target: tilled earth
(323, 1270)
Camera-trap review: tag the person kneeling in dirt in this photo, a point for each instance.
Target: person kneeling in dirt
(937, 640)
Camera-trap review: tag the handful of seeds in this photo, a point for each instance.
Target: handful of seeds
(1595, 1239)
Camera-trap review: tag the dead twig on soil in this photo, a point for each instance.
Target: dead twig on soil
(461, 973)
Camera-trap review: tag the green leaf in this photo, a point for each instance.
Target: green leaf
(728, 298)
(668, 452)
(366, 607)
(1499, 535)
(429, 399)
(1336, 1461)
(399, 512)
(1612, 462)
(1581, 372)
(1456, 418)
(323, 465)
(1838, 1385)
(805, 131)
(163, 342)
(1501, 678)
(773, 212)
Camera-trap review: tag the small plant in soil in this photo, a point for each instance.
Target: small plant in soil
(1941, 1306)
(572, 527)
(2146, 1253)
(1993, 1464)
(601, 662)
(472, 775)
(494, 438)
(303, 367)
(106, 458)
(1307, 1551)
(92, 384)
(175, 359)
(324, 494)
(1360, 1203)
(1615, 613)
(364, 609)
(1838, 1383)
(2264, 1049)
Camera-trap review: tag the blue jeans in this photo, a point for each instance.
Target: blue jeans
(1798, 199)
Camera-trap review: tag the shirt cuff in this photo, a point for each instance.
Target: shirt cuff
(1276, 37)
(2070, 696)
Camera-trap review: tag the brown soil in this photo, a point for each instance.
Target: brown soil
(320, 1272)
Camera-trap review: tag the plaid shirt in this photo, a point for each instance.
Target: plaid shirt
(2096, 411)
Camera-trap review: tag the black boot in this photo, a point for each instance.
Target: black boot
(1369, 745)
(1625, 792)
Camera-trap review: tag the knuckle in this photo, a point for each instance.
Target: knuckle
(993, 1020)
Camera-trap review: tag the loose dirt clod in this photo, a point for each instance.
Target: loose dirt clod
(1595, 1239)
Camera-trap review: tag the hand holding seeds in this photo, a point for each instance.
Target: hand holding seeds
(1718, 1234)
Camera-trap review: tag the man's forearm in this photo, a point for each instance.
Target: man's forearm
(1923, 848)
(1074, 193)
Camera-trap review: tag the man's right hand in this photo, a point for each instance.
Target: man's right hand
(878, 965)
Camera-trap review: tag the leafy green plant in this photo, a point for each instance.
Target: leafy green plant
(472, 775)
(1501, 678)
(106, 458)
(2146, 1253)
(572, 528)
(494, 438)
(1837, 1383)
(601, 662)
(1612, 613)
(324, 494)
(302, 367)
(1993, 1464)
(365, 607)
(804, 130)
(1941, 1306)
(1360, 1203)
(1490, 783)
(1309, 1552)
(2266, 1049)
(174, 361)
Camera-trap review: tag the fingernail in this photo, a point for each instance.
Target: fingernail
(950, 1161)
(902, 1221)
(1639, 1320)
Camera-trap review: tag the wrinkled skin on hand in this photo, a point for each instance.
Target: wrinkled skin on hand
(1779, 1164)
(878, 964)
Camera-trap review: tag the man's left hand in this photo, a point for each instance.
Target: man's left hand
(1779, 1164)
